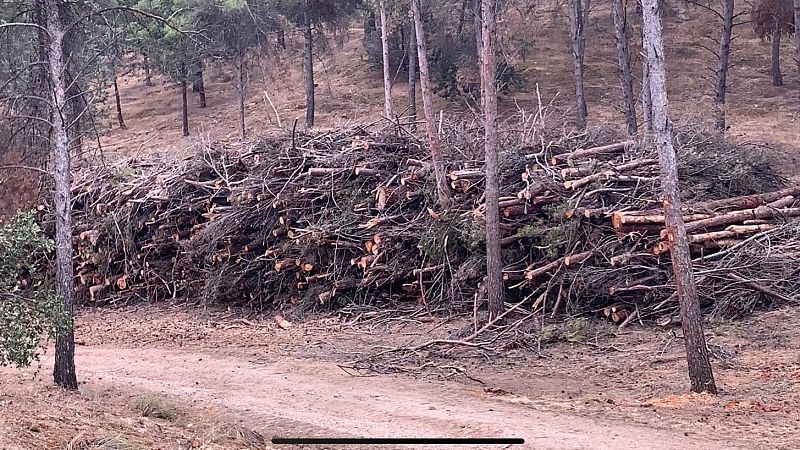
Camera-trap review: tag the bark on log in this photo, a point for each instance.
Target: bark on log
(609, 174)
(589, 152)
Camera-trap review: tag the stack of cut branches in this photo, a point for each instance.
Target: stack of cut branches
(350, 217)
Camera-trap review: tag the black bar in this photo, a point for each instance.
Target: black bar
(398, 441)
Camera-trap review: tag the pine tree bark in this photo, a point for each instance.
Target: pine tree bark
(240, 87)
(435, 146)
(64, 367)
(494, 262)
(646, 99)
(184, 100)
(148, 79)
(309, 69)
(477, 17)
(721, 86)
(796, 5)
(200, 85)
(388, 109)
(700, 374)
(578, 16)
(619, 15)
(281, 39)
(118, 102)
(777, 75)
(412, 77)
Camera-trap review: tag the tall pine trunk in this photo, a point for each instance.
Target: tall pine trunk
(494, 263)
(477, 28)
(64, 367)
(412, 77)
(240, 73)
(118, 102)
(777, 75)
(796, 5)
(199, 85)
(148, 80)
(700, 375)
(619, 16)
(721, 86)
(646, 99)
(309, 70)
(281, 45)
(184, 100)
(442, 189)
(388, 109)
(578, 13)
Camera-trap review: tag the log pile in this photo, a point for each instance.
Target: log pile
(350, 216)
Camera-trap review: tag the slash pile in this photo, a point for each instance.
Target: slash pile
(308, 221)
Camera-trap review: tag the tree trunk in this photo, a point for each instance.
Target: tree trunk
(646, 99)
(777, 75)
(700, 375)
(442, 188)
(577, 23)
(199, 85)
(281, 39)
(477, 13)
(148, 80)
(184, 100)
(797, 38)
(387, 76)
(619, 16)
(120, 119)
(309, 70)
(240, 71)
(721, 87)
(412, 77)
(64, 368)
(494, 262)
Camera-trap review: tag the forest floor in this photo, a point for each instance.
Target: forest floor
(217, 377)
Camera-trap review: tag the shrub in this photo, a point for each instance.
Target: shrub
(29, 309)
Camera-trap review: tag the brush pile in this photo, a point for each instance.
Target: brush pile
(350, 217)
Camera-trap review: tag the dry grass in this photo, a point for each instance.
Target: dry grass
(156, 406)
(231, 434)
(109, 441)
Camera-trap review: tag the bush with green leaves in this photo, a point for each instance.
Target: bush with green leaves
(29, 309)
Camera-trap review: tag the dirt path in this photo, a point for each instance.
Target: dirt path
(297, 397)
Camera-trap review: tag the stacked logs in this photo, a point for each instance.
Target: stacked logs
(351, 216)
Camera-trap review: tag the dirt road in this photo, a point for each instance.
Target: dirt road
(292, 398)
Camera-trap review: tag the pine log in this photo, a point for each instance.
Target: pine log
(532, 273)
(533, 189)
(761, 212)
(415, 163)
(612, 173)
(427, 270)
(326, 171)
(466, 174)
(748, 201)
(367, 171)
(285, 264)
(631, 219)
(575, 172)
(461, 186)
(388, 196)
(317, 278)
(377, 221)
(589, 152)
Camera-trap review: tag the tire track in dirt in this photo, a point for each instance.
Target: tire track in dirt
(291, 397)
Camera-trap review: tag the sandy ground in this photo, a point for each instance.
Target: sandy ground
(611, 391)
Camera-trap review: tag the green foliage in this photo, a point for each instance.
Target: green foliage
(29, 309)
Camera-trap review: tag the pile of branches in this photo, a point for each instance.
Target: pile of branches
(350, 217)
